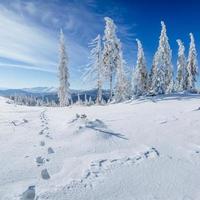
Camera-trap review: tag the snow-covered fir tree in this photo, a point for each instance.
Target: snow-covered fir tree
(63, 91)
(181, 68)
(103, 102)
(90, 102)
(39, 102)
(95, 71)
(79, 101)
(122, 87)
(71, 100)
(111, 52)
(152, 80)
(53, 103)
(140, 75)
(128, 71)
(85, 100)
(48, 103)
(192, 65)
(162, 72)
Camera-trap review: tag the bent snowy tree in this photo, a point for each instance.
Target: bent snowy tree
(94, 71)
(111, 52)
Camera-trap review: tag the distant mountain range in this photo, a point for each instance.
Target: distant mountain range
(40, 90)
(35, 91)
(50, 93)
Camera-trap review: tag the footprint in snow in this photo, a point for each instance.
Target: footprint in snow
(50, 150)
(29, 194)
(45, 175)
(40, 160)
(42, 143)
(163, 122)
(41, 132)
(47, 136)
(25, 120)
(197, 109)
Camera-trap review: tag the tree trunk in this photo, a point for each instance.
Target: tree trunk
(98, 99)
(111, 88)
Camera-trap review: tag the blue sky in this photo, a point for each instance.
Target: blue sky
(29, 34)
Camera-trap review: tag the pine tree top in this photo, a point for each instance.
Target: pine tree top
(62, 37)
(110, 28)
(192, 42)
(140, 49)
(181, 47)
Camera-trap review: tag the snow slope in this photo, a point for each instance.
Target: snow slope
(139, 150)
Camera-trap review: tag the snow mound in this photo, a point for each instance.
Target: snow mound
(97, 126)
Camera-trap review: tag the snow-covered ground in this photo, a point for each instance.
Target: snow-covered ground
(139, 150)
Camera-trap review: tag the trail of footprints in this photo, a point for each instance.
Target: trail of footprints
(44, 132)
(99, 168)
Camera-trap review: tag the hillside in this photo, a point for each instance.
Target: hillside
(143, 149)
(50, 93)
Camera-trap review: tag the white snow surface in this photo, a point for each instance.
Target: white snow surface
(138, 150)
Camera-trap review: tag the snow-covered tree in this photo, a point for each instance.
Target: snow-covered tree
(162, 72)
(39, 102)
(152, 80)
(192, 65)
(122, 86)
(111, 52)
(85, 100)
(90, 102)
(140, 75)
(129, 79)
(47, 102)
(94, 71)
(181, 68)
(71, 100)
(103, 102)
(53, 103)
(63, 91)
(79, 101)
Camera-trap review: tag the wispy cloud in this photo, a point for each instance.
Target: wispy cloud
(23, 42)
(29, 32)
(26, 41)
